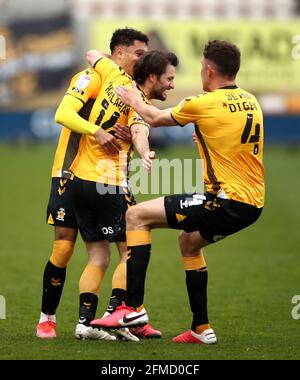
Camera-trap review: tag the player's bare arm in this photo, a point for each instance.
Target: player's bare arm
(92, 56)
(108, 142)
(152, 115)
(122, 132)
(140, 141)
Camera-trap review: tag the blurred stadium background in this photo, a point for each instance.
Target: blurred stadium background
(42, 44)
(45, 43)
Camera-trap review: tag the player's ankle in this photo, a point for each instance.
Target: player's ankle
(47, 317)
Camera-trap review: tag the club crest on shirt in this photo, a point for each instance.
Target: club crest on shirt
(61, 213)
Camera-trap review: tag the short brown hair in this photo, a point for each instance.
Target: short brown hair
(153, 62)
(226, 56)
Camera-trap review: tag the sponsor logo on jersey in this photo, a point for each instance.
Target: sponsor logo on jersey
(196, 200)
(78, 90)
(107, 230)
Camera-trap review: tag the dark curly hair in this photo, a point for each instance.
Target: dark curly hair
(226, 56)
(126, 37)
(153, 62)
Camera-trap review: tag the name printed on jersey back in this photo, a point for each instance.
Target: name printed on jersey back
(238, 102)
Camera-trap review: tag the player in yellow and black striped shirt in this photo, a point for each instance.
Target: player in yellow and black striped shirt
(76, 115)
(229, 128)
(85, 88)
(100, 191)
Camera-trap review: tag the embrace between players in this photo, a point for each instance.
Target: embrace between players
(90, 181)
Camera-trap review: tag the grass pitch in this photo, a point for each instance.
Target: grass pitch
(253, 275)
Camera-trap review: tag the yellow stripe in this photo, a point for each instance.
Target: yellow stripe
(180, 217)
(119, 277)
(193, 263)
(140, 308)
(201, 328)
(61, 191)
(136, 238)
(50, 219)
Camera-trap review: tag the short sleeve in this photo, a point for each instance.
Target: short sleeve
(134, 117)
(187, 111)
(105, 67)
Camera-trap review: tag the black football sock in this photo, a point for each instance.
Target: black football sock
(196, 283)
(53, 283)
(116, 299)
(88, 303)
(137, 263)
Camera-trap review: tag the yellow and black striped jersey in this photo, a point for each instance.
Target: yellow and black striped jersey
(92, 163)
(229, 129)
(85, 86)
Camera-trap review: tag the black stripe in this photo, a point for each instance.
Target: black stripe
(71, 152)
(181, 125)
(228, 87)
(131, 148)
(87, 109)
(210, 170)
(74, 140)
(75, 97)
(94, 65)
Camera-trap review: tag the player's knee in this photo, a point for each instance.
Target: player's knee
(132, 217)
(182, 241)
(63, 233)
(102, 262)
(187, 249)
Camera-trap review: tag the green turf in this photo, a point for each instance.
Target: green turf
(252, 275)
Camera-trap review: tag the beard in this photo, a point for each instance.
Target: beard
(159, 94)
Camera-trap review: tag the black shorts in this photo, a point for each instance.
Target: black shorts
(214, 218)
(60, 210)
(100, 210)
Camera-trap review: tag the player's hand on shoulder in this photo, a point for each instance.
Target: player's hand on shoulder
(123, 132)
(128, 95)
(92, 56)
(108, 142)
(148, 159)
